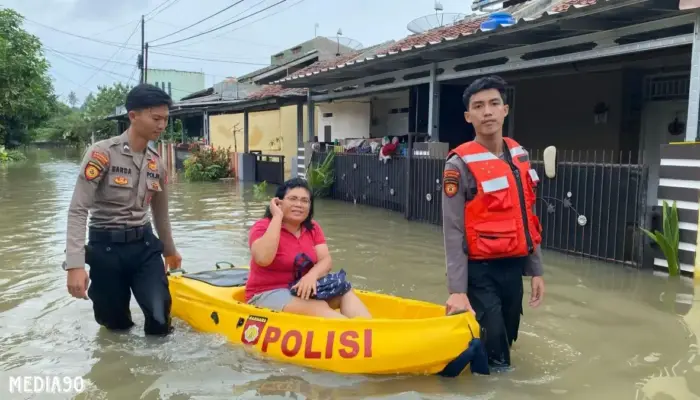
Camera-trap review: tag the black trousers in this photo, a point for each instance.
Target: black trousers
(119, 267)
(495, 291)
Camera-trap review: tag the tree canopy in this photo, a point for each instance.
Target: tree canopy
(27, 98)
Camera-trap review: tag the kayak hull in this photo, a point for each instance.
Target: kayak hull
(404, 336)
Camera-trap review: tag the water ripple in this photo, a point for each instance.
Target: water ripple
(590, 339)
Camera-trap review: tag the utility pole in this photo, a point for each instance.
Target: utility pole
(145, 64)
(143, 40)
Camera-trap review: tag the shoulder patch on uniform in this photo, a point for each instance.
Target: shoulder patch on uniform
(92, 171)
(450, 182)
(100, 158)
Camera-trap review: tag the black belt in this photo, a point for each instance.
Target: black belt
(120, 235)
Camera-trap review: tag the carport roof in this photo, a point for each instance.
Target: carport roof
(556, 19)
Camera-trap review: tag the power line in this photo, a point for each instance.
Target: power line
(90, 57)
(222, 26)
(86, 65)
(120, 45)
(159, 6)
(229, 20)
(238, 39)
(113, 55)
(207, 59)
(257, 20)
(199, 22)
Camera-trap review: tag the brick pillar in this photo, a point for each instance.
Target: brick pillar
(679, 180)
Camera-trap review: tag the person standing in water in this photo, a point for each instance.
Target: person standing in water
(119, 179)
(491, 232)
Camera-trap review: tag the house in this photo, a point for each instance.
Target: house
(267, 118)
(177, 84)
(608, 82)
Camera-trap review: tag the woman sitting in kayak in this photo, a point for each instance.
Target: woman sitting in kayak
(279, 243)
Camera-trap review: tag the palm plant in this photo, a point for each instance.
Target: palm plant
(669, 239)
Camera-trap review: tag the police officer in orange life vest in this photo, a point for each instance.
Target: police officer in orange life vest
(119, 179)
(491, 233)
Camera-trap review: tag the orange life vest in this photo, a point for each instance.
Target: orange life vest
(499, 221)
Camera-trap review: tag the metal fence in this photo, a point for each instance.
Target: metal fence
(594, 206)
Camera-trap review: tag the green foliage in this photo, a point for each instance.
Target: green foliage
(260, 190)
(26, 94)
(76, 125)
(669, 240)
(8, 156)
(320, 176)
(208, 164)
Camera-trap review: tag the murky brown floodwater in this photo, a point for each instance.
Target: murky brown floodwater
(603, 332)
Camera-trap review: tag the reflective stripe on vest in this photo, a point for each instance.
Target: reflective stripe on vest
(487, 156)
(496, 184)
(534, 176)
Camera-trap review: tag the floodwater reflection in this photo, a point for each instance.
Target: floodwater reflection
(603, 331)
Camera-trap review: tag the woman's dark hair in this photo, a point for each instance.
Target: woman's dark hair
(293, 184)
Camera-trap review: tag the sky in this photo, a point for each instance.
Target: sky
(111, 33)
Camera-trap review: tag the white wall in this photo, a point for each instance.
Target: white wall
(347, 119)
(390, 114)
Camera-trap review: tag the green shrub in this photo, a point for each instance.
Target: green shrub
(208, 164)
(260, 190)
(8, 156)
(320, 176)
(669, 239)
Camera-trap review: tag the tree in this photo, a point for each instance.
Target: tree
(72, 99)
(76, 125)
(26, 97)
(102, 105)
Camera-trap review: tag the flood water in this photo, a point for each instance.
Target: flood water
(603, 332)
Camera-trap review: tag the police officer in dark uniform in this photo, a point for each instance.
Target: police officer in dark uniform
(491, 232)
(119, 179)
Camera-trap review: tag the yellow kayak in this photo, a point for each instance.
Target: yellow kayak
(404, 336)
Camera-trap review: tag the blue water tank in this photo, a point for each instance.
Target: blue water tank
(497, 19)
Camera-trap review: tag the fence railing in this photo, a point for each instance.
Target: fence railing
(594, 206)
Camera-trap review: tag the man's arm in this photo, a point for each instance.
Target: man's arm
(453, 199)
(533, 267)
(92, 169)
(161, 215)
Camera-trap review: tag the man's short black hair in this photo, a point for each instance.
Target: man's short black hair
(485, 83)
(145, 95)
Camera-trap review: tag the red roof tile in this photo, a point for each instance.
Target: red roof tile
(468, 26)
(564, 6)
(275, 91)
(463, 28)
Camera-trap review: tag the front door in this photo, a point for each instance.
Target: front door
(658, 128)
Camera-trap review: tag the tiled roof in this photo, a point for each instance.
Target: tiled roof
(468, 26)
(565, 5)
(275, 91)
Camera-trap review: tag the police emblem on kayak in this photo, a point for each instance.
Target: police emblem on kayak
(252, 329)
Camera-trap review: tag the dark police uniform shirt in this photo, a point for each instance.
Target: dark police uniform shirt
(456, 257)
(117, 186)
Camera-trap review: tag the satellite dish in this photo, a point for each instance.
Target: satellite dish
(346, 41)
(437, 20)
(432, 21)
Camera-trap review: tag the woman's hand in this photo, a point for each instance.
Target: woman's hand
(275, 208)
(306, 286)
